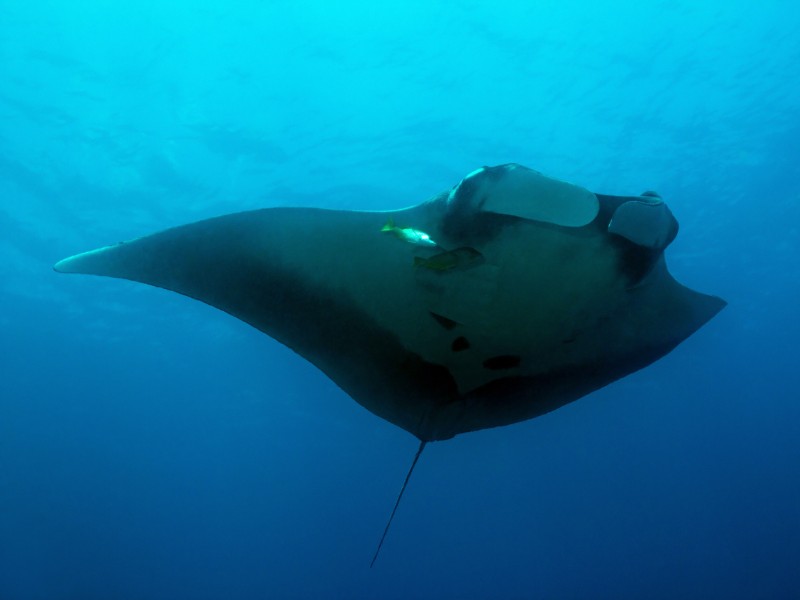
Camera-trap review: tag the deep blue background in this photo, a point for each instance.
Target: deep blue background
(152, 447)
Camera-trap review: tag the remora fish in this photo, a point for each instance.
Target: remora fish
(408, 234)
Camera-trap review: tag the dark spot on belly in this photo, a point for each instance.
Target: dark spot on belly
(459, 344)
(505, 361)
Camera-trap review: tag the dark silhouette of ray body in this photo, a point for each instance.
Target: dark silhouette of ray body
(498, 301)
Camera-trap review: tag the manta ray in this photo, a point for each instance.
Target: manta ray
(497, 301)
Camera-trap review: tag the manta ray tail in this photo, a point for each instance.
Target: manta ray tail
(397, 503)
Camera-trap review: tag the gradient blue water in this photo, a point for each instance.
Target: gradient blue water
(152, 447)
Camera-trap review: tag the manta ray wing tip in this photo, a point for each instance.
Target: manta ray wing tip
(63, 266)
(79, 263)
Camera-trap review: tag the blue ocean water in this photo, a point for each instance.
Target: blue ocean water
(153, 447)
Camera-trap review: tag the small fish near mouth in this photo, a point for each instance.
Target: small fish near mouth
(408, 234)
